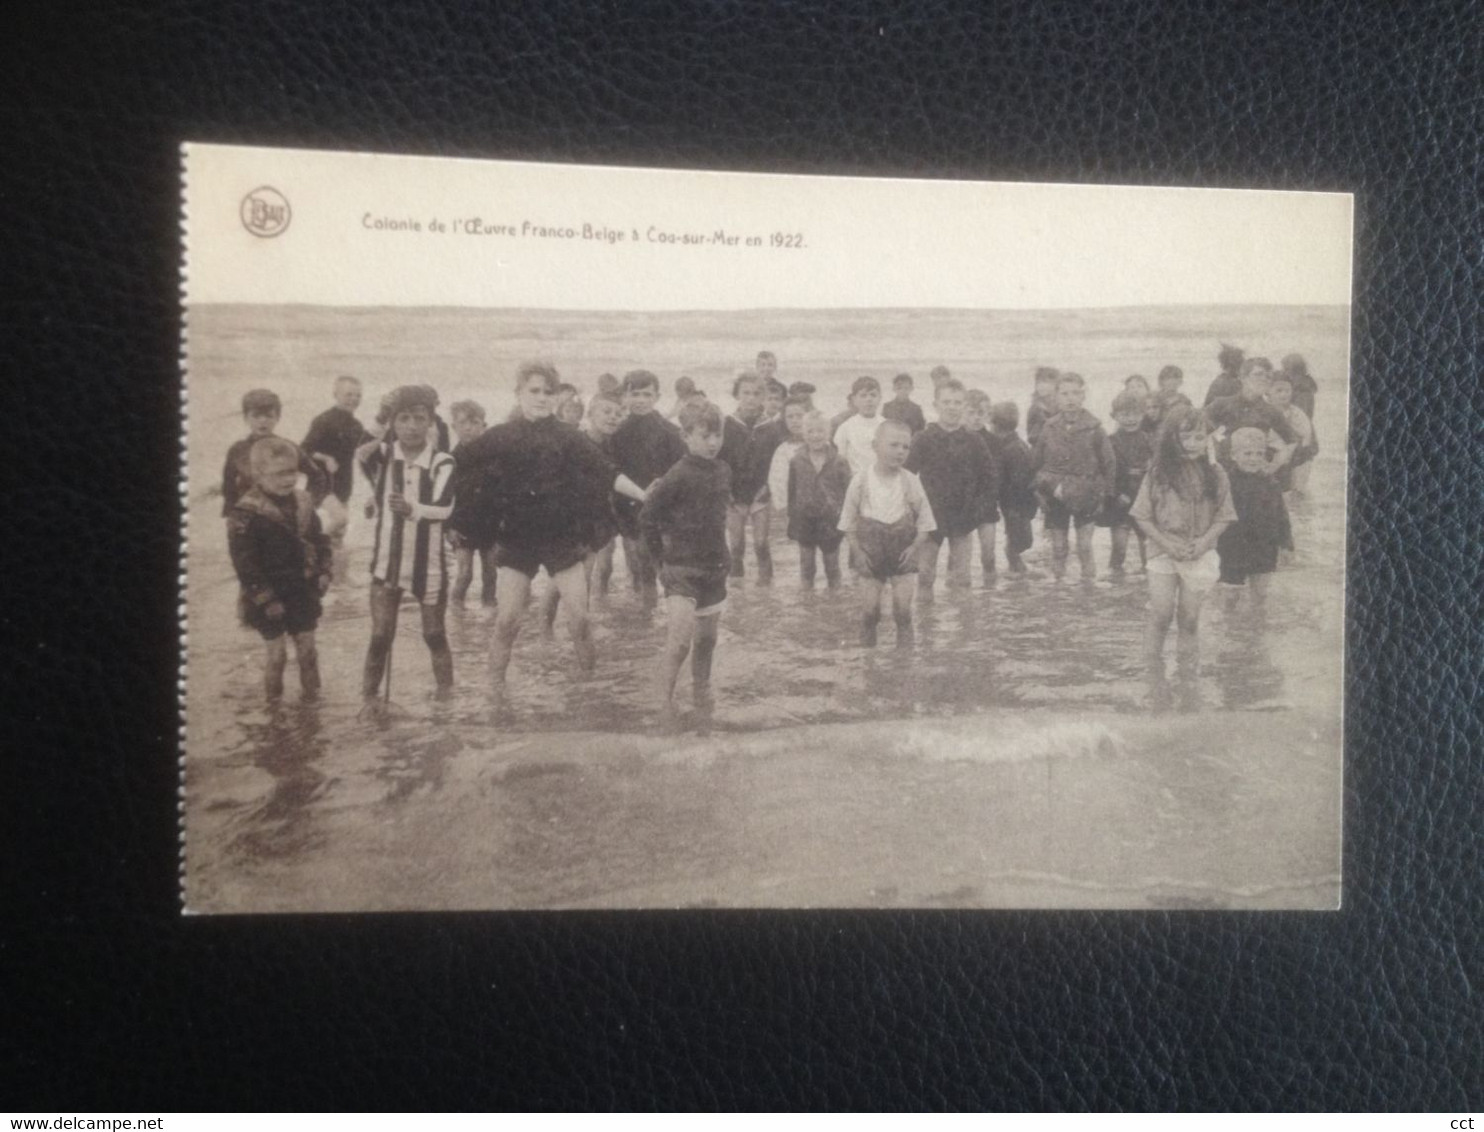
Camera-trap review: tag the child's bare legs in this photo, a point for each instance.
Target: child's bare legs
(1164, 593)
(1257, 585)
(927, 567)
(1059, 550)
(549, 599)
(831, 565)
(870, 589)
(681, 624)
(515, 591)
(762, 522)
(1018, 539)
(806, 565)
(1119, 537)
(1188, 643)
(273, 666)
(1300, 478)
(1084, 551)
(631, 561)
(986, 549)
(737, 536)
(703, 649)
(960, 552)
(463, 573)
(385, 601)
(901, 608)
(436, 639)
(603, 568)
(570, 586)
(487, 570)
(308, 656)
(641, 566)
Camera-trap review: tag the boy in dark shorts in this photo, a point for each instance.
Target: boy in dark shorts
(1248, 549)
(1018, 502)
(645, 447)
(413, 494)
(282, 559)
(1043, 403)
(534, 484)
(888, 519)
(958, 475)
(1073, 462)
(818, 478)
(684, 521)
(261, 409)
(331, 442)
(468, 425)
(1133, 448)
(901, 407)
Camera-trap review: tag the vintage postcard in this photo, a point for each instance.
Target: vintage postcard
(575, 537)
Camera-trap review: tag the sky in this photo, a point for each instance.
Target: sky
(348, 229)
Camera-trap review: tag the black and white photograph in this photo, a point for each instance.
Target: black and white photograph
(566, 537)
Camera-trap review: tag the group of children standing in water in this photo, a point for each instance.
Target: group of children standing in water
(560, 484)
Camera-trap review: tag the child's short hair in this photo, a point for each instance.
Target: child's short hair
(767, 356)
(261, 401)
(890, 424)
(1171, 373)
(1005, 415)
(544, 370)
(607, 383)
(637, 379)
(1070, 378)
(776, 387)
(609, 396)
(466, 411)
(902, 381)
(1230, 357)
(566, 389)
(798, 399)
(1128, 402)
(1047, 373)
(271, 448)
(684, 386)
(938, 375)
(977, 398)
(1281, 378)
(1247, 435)
(405, 398)
(1252, 365)
(1295, 364)
(949, 385)
(347, 379)
(746, 377)
(700, 417)
(801, 389)
(814, 416)
(865, 384)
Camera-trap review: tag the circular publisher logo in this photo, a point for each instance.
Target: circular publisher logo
(265, 212)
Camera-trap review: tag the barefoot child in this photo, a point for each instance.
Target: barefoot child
(901, 407)
(1183, 507)
(887, 518)
(958, 475)
(976, 423)
(750, 440)
(604, 416)
(818, 478)
(684, 521)
(282, 559)
(855, 436)
(331, 442)
(414, 494)
(1018, 502)
(1248, 549)
(261, 409)
(645, 447)
(1133, 448)
(1074, 473)
(469, 424)
(795, 409)
(536, 485)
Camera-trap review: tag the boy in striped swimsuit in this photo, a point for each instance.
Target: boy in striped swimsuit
(414, 493)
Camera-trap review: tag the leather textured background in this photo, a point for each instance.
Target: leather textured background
(112, 1001)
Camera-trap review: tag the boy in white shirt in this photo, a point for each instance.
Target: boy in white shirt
(855, 437)
(887, 518)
